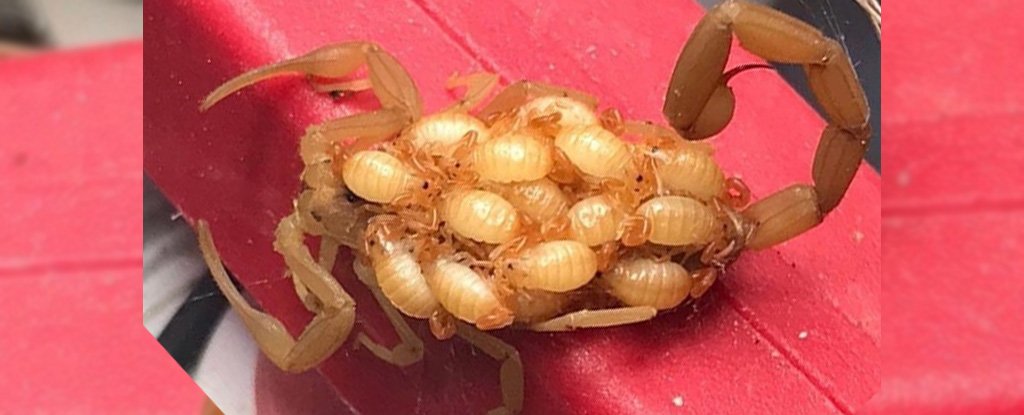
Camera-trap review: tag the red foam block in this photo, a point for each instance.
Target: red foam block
(70, 257)
(740, 349)
(954, 330)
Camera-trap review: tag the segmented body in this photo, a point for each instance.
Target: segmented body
(595, 220)
(597, 152)
(467, 295)
(540, 200)
(441, 133)
(646, 282)
(401, 280)
(680, 221)
(514, 157)
(378, 176)
(557, 266)
(690, 170)
(512, 195)
(570, 111)
(481, 216)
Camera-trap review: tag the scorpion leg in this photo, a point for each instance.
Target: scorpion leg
(511, 366)
(369, 128)
(410, 350)
(522, 91)
(597, 318)
(776, 37)
(327, 257)
(321, 337)
(478, 86)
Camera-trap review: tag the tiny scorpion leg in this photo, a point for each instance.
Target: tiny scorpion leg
(511, 367)
(478, 85)
(597, 318)
(410, 350)
(327, 257)
(522, 91)
(321, 337)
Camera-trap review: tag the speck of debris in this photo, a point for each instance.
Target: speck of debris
(858, 236)
(802, 335)
(176, 215)
(677, 401)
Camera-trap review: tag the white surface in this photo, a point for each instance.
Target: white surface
(226, 371)
(83, 22)
(171, 266)
(171, 261)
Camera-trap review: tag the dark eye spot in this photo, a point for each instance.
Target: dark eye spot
(639, 178)
(426, 185)
(352, 197)
(457, 165)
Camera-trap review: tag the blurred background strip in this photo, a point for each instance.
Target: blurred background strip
(953, 229)
(70, 259)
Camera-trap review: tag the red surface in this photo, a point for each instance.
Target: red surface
(71, 253)
(954, 329)
(236, 166)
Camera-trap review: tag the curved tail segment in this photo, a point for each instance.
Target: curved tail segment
(699, 104)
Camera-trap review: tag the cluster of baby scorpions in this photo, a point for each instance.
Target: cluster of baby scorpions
(535, 210)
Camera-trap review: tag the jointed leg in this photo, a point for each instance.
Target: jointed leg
(328, 255)
(410, 350)
(520, 92)
(321, 337)
(511, 367)
(368, 128)
(597, 318)
(478, 85)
